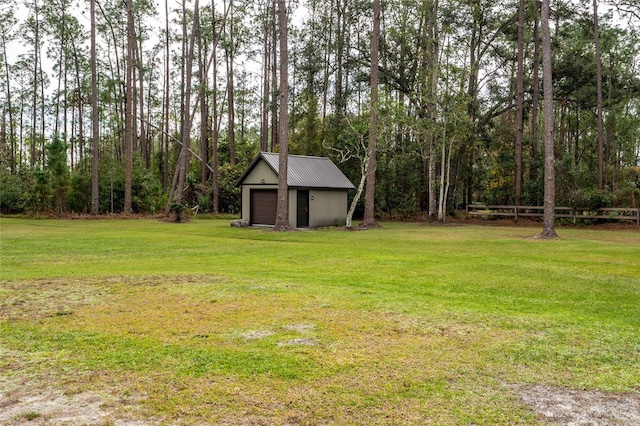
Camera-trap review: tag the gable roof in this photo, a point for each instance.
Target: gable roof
(304, 171)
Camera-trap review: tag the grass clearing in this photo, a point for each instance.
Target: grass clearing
(407, 324)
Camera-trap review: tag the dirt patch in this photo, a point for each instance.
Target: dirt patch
(575, 407)
(53, 407)
(43, 298)
(256, 334)
(26, 402)
(300, 328)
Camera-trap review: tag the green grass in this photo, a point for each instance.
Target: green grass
(407, 324)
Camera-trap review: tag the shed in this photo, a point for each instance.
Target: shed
(318, 191)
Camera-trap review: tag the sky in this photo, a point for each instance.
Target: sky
(81, 10)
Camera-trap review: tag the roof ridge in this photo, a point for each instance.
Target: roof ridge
(297, 155)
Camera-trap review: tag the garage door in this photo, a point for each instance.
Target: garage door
(263, 206)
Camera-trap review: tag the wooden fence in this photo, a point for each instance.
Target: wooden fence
(574, 213)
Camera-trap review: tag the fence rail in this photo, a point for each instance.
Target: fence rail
(574, 213)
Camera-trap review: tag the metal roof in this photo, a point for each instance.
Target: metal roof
(305, 172)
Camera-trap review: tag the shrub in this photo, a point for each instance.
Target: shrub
(14, 192)
(599, 199)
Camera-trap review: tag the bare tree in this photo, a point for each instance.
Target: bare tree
(549, 230)
(282, 209)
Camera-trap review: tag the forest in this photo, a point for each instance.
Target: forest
(101, 99)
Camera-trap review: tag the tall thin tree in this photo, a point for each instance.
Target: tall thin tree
(549, 230)
(204, 109)
(183, 164)
(215, 127)
(282, 209)
(431, 92)
(535, 95)
(95, 119)
(8, 22)
(129, 113)
(230, 57)
(596, 35)
(369, 219)
(266, 82)
(519, 105)
(36, 75)
(167, 58)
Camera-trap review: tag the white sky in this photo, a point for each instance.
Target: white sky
(81, 11)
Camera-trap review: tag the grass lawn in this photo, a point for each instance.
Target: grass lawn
(408, 324)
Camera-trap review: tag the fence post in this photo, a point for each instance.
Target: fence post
(638, 217)
(467, 211)
(515, 208)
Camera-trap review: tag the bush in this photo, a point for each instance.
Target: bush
(14, 192)
(229, 200)
(599, 199)
(624, 195)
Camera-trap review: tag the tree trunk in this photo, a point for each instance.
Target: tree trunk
(533, 168)
(11, 153)
(3, 139)
(95, 119)
(352, 208)
(519, 106)
(186, 124)
(432, 59)
(282, 209)
(327, 70)
(165, 177)
(369, 219)
(129, 114)
(80, 101)
(34, 110)
(230, 56)
(339, 62)
(274, 82)
(266, 84)
(144, 145)
(215, 123)
(596, 32)
(549, 157)
(444, 164)
(204, 113)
